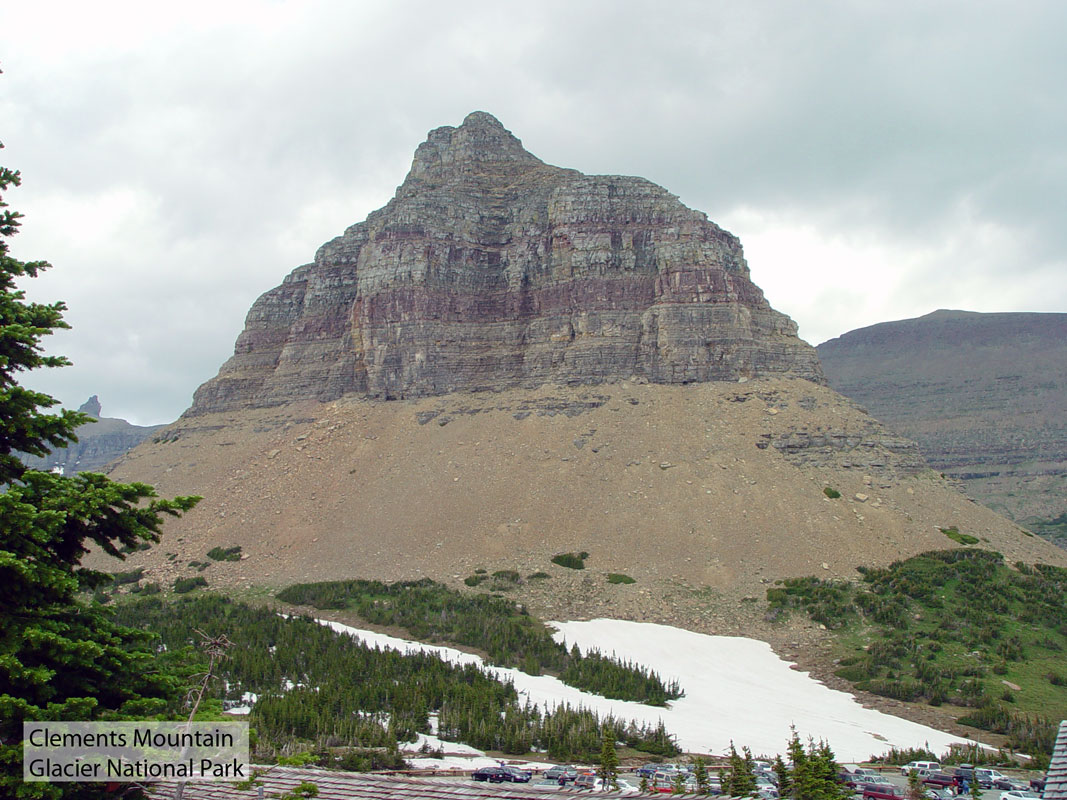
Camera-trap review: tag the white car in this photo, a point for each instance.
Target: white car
(1020, 795)
(919, 766)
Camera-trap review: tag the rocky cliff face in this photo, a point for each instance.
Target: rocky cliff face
(490, 269)
(984, 395)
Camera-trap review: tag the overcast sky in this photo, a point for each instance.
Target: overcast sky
(878, 160)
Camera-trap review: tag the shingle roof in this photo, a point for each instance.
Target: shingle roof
(365, 786)
(1056, 778)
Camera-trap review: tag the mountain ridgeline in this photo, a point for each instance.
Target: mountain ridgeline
(100, 441)
(984, 395)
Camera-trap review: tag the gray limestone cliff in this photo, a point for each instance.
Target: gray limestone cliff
(490, 269)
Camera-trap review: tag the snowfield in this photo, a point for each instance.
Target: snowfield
(735, 689)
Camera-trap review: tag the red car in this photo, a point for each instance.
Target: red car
(882, 791)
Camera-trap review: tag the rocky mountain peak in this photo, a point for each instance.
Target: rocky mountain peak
(480, 144)
(490, 269)
(91, 407)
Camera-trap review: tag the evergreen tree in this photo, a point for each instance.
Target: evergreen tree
(700, 773)
(815, 771)
(785, 777)
(609, 759)
(915, 786)
(740, 780)
(61, 657)
(678, 784)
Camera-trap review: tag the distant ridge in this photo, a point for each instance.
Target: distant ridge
(984, 395)
(99, 443)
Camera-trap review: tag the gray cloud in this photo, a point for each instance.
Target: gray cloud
(879, 160)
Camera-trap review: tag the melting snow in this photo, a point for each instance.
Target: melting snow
(735, 689)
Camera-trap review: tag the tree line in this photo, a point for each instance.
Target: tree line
(501, 628)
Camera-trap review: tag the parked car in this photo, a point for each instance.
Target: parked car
(1007, 784)
(929, 766)
(762, 781)
(517, 775)
(856, 778)
(664, 782)
(566, 771)
(491, 774)
(985, 777)
(882, 791)
(932, 793)
(767, 774)
(648, 770)
(1022, 794)
(939, 780)
(595, 784)
(545, 785)
(872, 780)
(1037, 784)
(588, 781)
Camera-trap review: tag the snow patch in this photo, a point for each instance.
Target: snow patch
(735, 689)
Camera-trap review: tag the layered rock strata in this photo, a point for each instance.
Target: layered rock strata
(984, 395)
(490, 269)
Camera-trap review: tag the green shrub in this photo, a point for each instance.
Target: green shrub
(132, 576)
(474, 580)
(618, 577)
(954, 534)
(504, 580)
(225, 553)
(150, 588)
(183, 585)
(537, 576)
(571, 560)
(833, 494)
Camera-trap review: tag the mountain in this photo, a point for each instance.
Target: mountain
(99, 443)
(489, 270)
(984, 395)
(512, 361)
